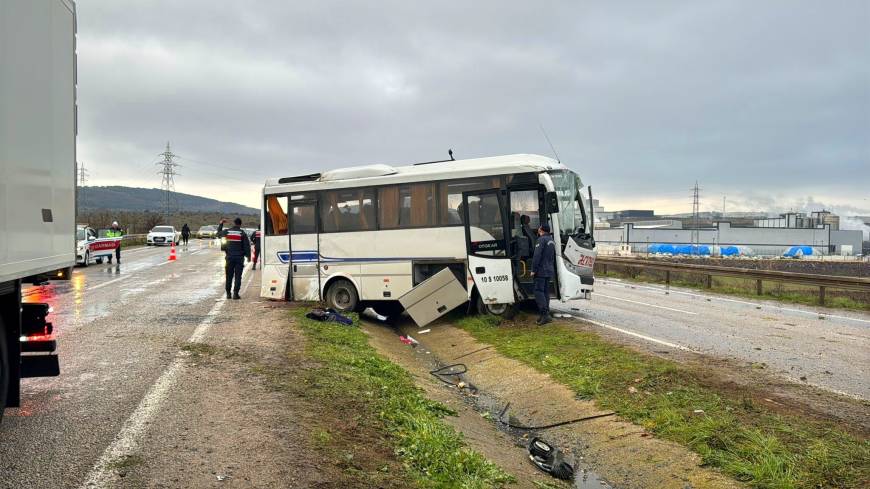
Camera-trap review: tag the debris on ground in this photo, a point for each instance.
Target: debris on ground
(374, 314)
(549, 459)
(325, 315)
(408, 340)
(424, 331)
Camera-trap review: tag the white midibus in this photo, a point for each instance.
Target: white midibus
(367, 235)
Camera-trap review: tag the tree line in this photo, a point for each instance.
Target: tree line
(140, 222)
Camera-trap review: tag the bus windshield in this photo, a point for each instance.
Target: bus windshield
(572, 215)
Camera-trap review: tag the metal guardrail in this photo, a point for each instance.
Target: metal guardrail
(823, 282)
(134, 239)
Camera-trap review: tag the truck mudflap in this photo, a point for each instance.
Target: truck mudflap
(39, 366)
(38, 342)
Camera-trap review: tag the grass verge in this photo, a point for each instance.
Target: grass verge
(761, 448)
(789, 293)
(352, 372)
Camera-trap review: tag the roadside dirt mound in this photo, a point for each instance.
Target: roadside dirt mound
(621, 453)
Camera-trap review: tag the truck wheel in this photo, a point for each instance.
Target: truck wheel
(87, 259)
(4, 369)
(342, 296)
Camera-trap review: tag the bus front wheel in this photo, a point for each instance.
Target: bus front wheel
(506, 311)
(342, 296)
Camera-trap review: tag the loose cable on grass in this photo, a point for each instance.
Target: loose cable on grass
(547, 426)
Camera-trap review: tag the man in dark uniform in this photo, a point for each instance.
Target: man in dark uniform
(237, 248)
(256, 242)
(185, 233)
(544, 269)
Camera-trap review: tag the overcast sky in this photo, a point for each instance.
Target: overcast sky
(765, 102)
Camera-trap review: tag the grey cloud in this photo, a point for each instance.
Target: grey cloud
(642, 98)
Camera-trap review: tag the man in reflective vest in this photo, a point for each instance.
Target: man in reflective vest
(115, 232)
(237, 248)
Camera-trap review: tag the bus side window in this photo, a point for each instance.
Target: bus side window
(276, 215)
(302, 219)
(450, 194)
(347, 210)
(407, 206)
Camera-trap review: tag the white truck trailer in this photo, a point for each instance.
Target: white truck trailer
(37, 179)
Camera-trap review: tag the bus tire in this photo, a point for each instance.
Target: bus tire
(342, 296)
(4, 369)
(505, 311)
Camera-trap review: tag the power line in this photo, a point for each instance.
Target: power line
(168, 173)
(82, 174)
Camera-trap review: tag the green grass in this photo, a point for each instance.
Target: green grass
(790, 293)
(761, 448)
(433, 452)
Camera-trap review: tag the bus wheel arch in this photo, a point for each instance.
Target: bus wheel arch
(341, 294)
(504, 311)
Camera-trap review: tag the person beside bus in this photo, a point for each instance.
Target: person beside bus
(185, 233)
(544, 269)
(115, 232)
(256, 243)
(237, 248)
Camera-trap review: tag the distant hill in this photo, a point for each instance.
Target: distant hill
(149, 199)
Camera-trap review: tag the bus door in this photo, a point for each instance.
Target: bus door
(524, 219)
(486, 242)
(303, 278)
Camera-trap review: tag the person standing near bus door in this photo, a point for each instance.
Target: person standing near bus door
(185, 234)
(237, 248)
(544, 269)
(115, 232)
(256, 242)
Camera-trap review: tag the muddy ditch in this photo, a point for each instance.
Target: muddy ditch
(605, 451)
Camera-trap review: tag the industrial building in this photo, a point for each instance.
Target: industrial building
(824, 239)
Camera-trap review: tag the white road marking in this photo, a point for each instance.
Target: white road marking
(110, 282)
(825, 314)
(673, 291)
(638, 335)
(726, 299)
(127, 441)
(647, 304)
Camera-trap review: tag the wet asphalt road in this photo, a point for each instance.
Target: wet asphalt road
(118, 328)
(831, 353)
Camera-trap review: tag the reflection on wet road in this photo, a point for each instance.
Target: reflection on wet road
(118, 328)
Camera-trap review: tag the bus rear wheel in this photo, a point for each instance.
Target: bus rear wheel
(342, 296)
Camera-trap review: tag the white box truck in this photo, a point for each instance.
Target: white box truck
(37, 179)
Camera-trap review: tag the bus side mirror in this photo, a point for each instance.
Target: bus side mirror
(552, 203)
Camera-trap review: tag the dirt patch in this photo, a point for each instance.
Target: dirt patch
(480, 433)
(624, 454)
(241, 416)
(753, 382)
